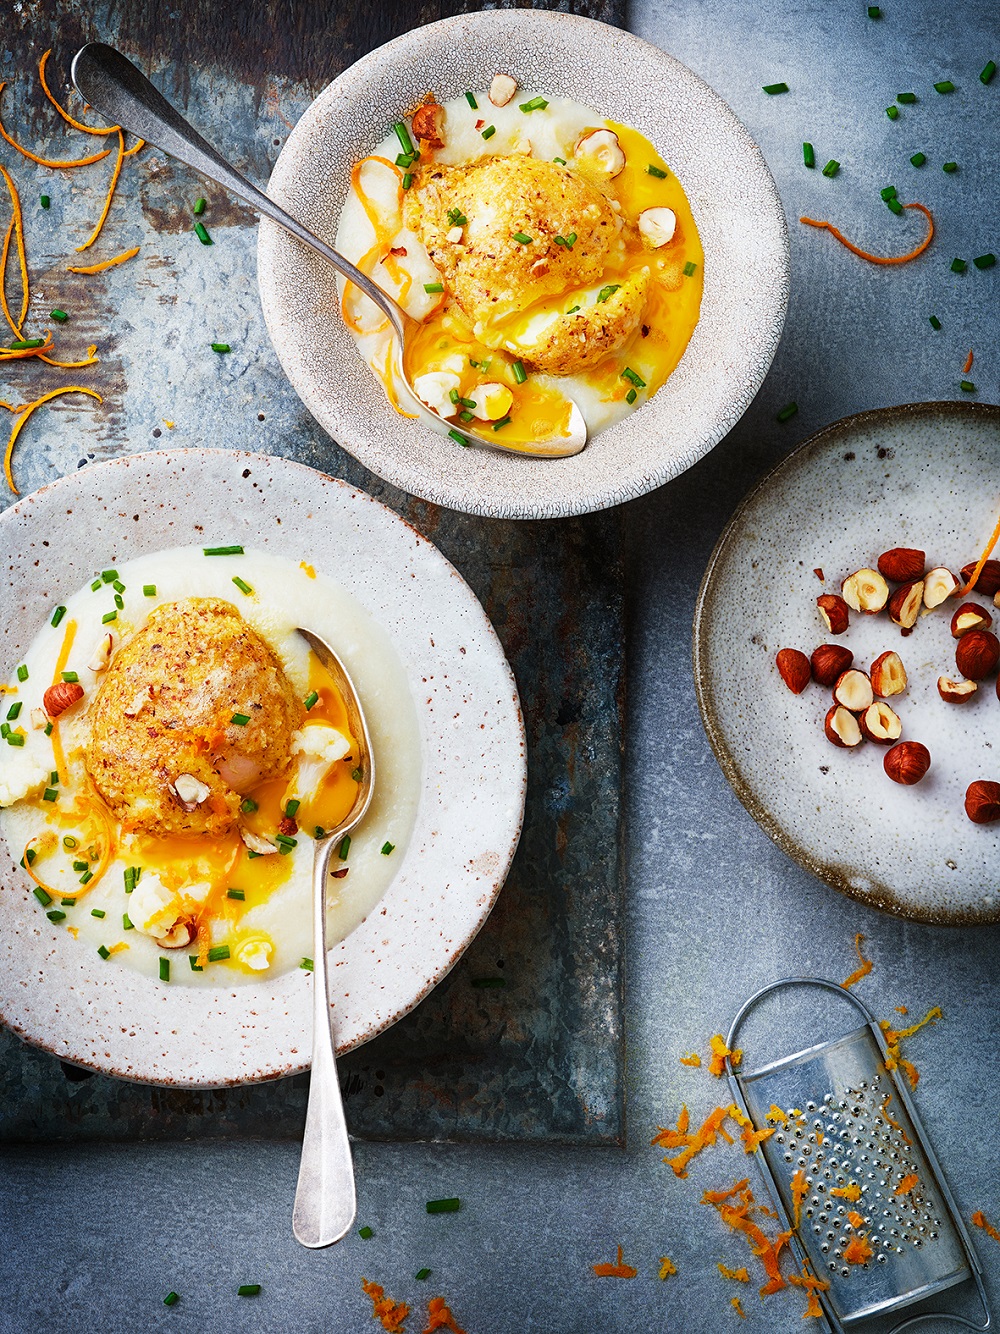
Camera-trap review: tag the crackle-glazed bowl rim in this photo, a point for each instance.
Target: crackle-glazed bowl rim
(712, 597)
(736, 206)
(56, 992)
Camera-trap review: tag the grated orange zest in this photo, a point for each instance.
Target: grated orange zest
(855, 1219)
(22, 419)
(692, 1059)
(906, 1184)
(667, 1267)
(752, 1139)
(890, 1120)
(389, 1313)
(104, 264)
(864, 969)
(968, 362)
(879, 259)
(119, 159)
(850, 1192)
(720, 1196)
(800, 1189)
(717, 1065)
(994, 539)
(737, 1275)
(618, 1270)
(858, 1251)
(439, 1317)
(980, 1220)
(734, 1302)
(893, 1037)
(777, 1115)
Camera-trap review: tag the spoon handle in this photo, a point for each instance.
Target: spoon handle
(115, 88)
(325, 1200)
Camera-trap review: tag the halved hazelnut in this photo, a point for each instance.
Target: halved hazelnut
(865, 590)
(903, 565)
(657, 225)
(39, 719)
(256, 843)
(179, 935)
(428, 124)
(502, 89)
(888, 675)
(604, 148)
(853, 690)
(454, 235)
(842, 727)
(794, 669)
(881, 724)
(988, 582)
(907, 762)
(977, 654)
(829, 662)
(904, 605)
(60, 697)
(939, 584)
(834, 611)
(982, 802)
(970, 616)
(102, 654)
(956, 692)
(189, 791)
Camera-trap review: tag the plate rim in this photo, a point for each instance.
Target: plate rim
(760, 813)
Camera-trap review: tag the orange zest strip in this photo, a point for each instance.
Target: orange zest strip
(618, 1270)
(720, 1196)
(968, 362)
(71, 365)
(3, 278)
(136, 147)
(110, 195)
(980, 1220)
(994, 539)
(800, 1190)
(386, 376)
(23, 353)
(734, 1302)
(865, 968)
(48, 162)
(367, 262)
(390, 1314)
(19, 425)
(667, 1267)
(890, 1120)
(692, 1059)
(738, 1275)
(77, 125)
(907, 1184)
(879, 259)
(17, 223)
(717, 1065)
(105, 264)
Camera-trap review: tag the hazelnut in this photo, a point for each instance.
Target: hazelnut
(907, 762)
(888, 675)
(256, 843)
(955, 692)
(834, 611)
(970, 616)
(603, 148)
(982, 802)
(102, 654)
(939, 584)
(842, 728)
(988, 582)
(905, 603)
(189, 791)
(39, 719)
(179, 935)
(58, 698)
(657, 225)
(829, 662)
(502, 89)
(865, 590)
(794, 669)
(977, 654)
(428, 124)
(903, 565)
(853, 690)
(881, 724)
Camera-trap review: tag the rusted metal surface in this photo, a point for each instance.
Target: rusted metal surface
(542, 1056)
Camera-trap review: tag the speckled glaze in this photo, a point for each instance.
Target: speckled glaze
(735, 204)
(922, 475)
(63, 996)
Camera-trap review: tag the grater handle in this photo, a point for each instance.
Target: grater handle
(822, 982)
(915, 1320)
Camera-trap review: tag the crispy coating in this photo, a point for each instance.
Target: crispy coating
(165, 708)
(563, 344)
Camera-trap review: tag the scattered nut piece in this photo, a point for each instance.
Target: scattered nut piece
(996, 599)
(39, 718)
(189, 791)
(502, 89)
(60, 697)
(982, 802)
(904, 605)
(454, 235)
(428, 124)
(956, 692)
(657, 225)
(977, 654)
(262, 846)
(102, 654)
(865, 590)
(842, 727)
(903, 565)
(853, 690)
(603, 147)
(179, 935)
(829, 662)
(939, 584)
(888, 675)
(834, 611)
(794, 669)
(988, 582)
(881, 724)
(907, 762)
(970, 616)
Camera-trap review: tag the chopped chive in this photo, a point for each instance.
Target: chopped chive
(54, 777)
(5, 730)
(629, 374)
(22, 344)
(488, 983)
(421, 1274)
(109, 576)
(466, 402)
(45, 201)
(874, 12)
(48, 729)
(658, 172)
(365, 1232)
(945, 86)
(630, 397)
(306, 965)
(456, 217)
(605, 292)
(404, 160)
(981, 262)
(789, 410)
(95, 585)
(221, 348)
(199, 207)
(98, 912)
(571, 240)
(81, 866)
(772, 88)
(56, 915)
(15, 739)
(967, 387)
(536, 104)
(43, 898)
(520, 374)
(201, 231)
(70, 678)
(248, 1290)
(218, 952)
(196, 967)
(458, 438)
(164, 970)
(29, 857)
(58, 315)
(472, 101)
(240, 719)
(119, 601)
(248, 805)
(22, 672)
(68, 903)
(403, 135)
(466, 416)
(345, 847)
(387, 848)
(108, 617)
(907, 99)
(572, 310)
(560, 160)
(238, 894)
(14, 710)
(987, 72)
(118, 586)
(69, 841)
(242, 585)
(319, 832)
(808, 155)
(689, 268)
(489, 132)
(831, 168)
(127, 923)
(888, 192)
(949, 167)
(504, 421)
(172, 1298)
(407, 180)
(57, 615)
(308, 702)
(149, 590)
(104, 952)
(222, 551)
(918, 159)
(50, 794)
(450, 1206)
(285, 844)
(357, 775)
(958, 266)
(433, 287)
(292, 808)
(894, 206)
(892, 113)
(522, 238)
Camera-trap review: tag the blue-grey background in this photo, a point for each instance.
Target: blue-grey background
(97, 1235)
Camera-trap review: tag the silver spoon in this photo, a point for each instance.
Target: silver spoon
(325, 1200)
(112, 85)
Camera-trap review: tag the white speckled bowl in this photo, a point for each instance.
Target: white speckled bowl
(923, 476)
(57, 992)
(735, 204)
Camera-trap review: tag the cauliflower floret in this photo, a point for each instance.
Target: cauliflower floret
(21, 773)
(152, 908)
(318, 746)
(256, 954)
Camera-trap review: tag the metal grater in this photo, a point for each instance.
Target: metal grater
(841, 1101)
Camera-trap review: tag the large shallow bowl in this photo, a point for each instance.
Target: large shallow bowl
(923, 475)
(736, 207)
(58, 993)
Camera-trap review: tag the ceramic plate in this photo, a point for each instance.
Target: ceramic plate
(920, 476)
(68, 1000)
(735, 204)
